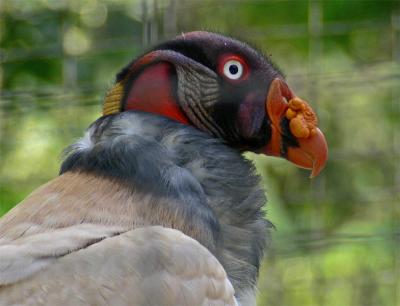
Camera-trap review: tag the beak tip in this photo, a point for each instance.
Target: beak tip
(312, 154)
(314, 173)
(319, 166)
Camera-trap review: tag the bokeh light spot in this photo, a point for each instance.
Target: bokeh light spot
(93, 14)
(76, 41)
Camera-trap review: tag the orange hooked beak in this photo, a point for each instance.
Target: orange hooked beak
(312, 150)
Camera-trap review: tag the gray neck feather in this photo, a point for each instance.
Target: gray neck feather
(167, 158)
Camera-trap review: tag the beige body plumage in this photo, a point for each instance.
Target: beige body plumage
(102, 254)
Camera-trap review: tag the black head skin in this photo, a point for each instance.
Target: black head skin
(239, 110)
(189, 79)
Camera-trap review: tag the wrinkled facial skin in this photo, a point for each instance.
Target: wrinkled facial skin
(240, 110)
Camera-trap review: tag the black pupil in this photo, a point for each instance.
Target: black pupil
(233, 69)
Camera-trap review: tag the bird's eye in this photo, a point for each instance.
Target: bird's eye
(233, 69)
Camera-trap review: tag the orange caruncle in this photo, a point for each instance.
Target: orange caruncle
(303, 120)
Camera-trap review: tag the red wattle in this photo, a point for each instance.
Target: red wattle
(152, 91)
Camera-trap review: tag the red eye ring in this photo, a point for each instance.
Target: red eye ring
(233, 68)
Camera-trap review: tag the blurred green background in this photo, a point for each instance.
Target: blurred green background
(338, 236)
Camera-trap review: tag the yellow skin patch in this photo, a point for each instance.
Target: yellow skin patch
(112, 102)
(303, 121)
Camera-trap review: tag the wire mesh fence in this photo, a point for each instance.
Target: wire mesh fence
(338, 237)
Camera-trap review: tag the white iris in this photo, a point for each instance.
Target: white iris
(233, 69)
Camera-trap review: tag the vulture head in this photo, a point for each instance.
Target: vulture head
(225, 88)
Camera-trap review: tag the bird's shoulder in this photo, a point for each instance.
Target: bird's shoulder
(76, 198)
(67, 200)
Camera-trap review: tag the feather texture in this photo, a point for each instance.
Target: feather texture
(146, 266)
(135, 170)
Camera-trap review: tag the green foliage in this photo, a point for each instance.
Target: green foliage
(337, 238)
